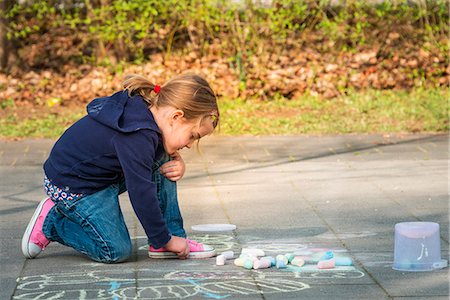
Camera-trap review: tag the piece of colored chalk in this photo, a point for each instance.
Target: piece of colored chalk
(254, 251)
(343, 261)
(289, 256)
(308, 259)
(248, 264)
(297, 261)
(327, 255)
(283, 258)
(326, 264)
(220, 260)
(262, 264)
(271, 259)
(280, 264)
(228, 254)
(245, 256)
(239, 262)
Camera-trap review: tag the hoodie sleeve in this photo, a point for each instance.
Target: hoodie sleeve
(136, 152)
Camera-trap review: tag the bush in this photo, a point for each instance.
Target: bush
(109, 31)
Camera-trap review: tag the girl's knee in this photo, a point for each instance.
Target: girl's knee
(116, 253)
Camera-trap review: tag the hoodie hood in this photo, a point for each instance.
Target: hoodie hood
(122, 112)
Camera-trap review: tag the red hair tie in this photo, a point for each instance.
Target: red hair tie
(157, 89)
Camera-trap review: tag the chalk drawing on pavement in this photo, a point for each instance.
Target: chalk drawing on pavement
(179, 284)
(202, 281)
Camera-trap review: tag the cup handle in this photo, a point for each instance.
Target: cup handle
(440, 264)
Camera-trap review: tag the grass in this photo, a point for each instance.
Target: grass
(420, 110)
(371, 111)
(48, 126)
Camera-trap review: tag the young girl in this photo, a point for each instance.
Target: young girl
(127, 141)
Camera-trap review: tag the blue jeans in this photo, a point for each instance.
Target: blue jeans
(94, 224)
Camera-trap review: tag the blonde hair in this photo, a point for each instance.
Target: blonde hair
(188, 92)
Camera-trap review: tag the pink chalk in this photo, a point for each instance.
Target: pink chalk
(326, 264)
(262, 264)
(220, 260)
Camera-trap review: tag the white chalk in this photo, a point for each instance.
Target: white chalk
(254, 251)
(228, 254)
(239, 262)
(262, 264)
(283, 258)
(246, 255)
(220, 260)
(297, 261)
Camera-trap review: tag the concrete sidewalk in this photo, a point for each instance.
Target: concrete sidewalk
(284, 194)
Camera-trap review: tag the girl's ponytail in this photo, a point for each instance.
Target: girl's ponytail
(139, 85)
(188, 92)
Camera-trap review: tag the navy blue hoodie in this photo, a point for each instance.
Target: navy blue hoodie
(119, 138)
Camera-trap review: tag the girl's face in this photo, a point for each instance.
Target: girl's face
(183, 133)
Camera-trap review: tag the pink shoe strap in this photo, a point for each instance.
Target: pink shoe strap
(195, 246)
(37, 236)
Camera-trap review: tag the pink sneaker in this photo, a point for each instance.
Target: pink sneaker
(197, 250)
(34, 240)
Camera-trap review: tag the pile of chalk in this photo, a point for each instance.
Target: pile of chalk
(256, 259)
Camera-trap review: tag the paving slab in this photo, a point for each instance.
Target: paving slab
(286, 194)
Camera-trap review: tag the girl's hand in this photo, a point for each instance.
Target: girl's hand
(179, 246)
(173, 169)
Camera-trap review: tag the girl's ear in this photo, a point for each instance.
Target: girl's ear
(177, 114)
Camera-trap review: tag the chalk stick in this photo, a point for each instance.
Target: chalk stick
(280, 264)
(239, 262)
(248, 264)
(283, 258)
(262, 264)
(289, 256)
(254, 251)
(220, 260)
(271, 259)
(343, 261)
(326, 264)
(328, 255)
(228, 254)
(248, 256)
(308, 259)
(297, 261)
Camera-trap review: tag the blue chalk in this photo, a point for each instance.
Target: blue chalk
(280, 264)
(328, 255)
(248, 264)
(344, 261)
(289, 256)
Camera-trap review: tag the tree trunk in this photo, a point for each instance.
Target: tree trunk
(4, 43)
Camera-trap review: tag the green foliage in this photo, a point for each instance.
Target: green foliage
(129, 30)
(7, 103)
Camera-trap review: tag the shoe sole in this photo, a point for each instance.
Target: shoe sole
(193, 255)
(27, 234)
